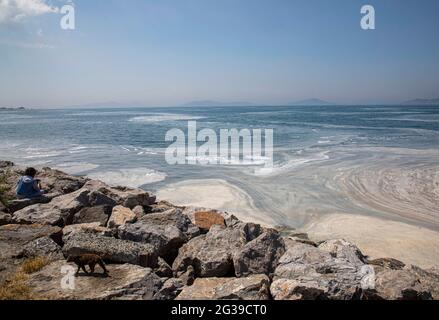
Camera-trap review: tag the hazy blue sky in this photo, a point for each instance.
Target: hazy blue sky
(168, 52)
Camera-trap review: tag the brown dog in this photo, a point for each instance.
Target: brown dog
(87, 259)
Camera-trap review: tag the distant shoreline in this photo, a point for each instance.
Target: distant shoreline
(12, 109)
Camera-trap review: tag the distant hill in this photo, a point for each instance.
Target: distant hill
(311, 102)
(422, 102)
(211, 103)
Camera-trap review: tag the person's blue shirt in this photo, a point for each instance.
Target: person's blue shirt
(27, 187)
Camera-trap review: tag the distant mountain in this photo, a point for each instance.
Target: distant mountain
(311, 102)
(210, 103)
(108, 104)
(422, 102)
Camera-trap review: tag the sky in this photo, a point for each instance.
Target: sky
(170, 52)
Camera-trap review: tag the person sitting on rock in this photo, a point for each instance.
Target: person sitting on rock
(28, 187)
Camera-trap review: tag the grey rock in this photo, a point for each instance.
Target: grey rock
(299, 289)
(61, 210)
(166, 231)
(343, 249)
(251, 230)
(125, 282)
(13, 237)
(211, 254)
(307, 272)
(111, 249)
(93, 228)
(93, 214)
(409, 283)
(259, 256)
(255, 287)
(42, 247)
(12, 240)
(19, 204)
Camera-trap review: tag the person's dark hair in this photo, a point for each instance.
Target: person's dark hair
(31, 172)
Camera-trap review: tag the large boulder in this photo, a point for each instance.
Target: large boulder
(408, 283)
(13, 238)
(342, 249)
(259, 256)
(127, 197)
(254, 287)
(111, 249)
(307, 272)
(94, 228)
(42, 247)
(61, 210)
(55, 181)
(93, 214)
(126, 281)
(211, 255)
(18, 204)
(298, 289)
(166, 231)
(120, 216)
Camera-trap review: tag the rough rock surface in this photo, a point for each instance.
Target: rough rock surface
(259, 256)
(307, 272)
(94, 227)
(93, 214)
(125, 282)
(42, 247)
(343, 249)
(408, 283)
(211, 254)
(111, 249)
(14, 237)
(120, 216)
(255, 287)
(61, 210)
(166, 231)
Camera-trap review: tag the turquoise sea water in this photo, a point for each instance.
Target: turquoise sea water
(320, 153)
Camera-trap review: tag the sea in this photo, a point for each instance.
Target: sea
(368, 160)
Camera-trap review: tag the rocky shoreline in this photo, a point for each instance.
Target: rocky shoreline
(156, 250)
